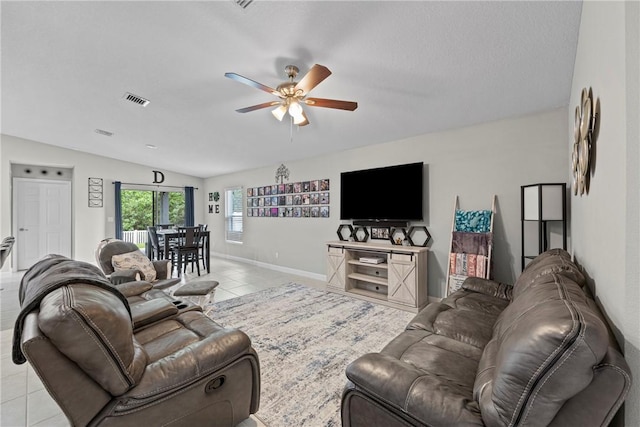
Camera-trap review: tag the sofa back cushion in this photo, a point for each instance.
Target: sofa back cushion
(92, 327)
(107, 249)
(553, 261)
(544, 347)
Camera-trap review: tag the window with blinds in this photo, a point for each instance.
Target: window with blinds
(233, 214)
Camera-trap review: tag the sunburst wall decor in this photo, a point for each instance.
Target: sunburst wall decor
(586, 117)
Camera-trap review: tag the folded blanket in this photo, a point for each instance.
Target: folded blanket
(473, 221)
(471, 243)
(47, 275)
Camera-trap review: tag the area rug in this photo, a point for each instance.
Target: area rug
(305, 338)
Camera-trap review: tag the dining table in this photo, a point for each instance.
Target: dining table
(169, 234)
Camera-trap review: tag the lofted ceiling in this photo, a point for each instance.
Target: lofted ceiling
(414, 67)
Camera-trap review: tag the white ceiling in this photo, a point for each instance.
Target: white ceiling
(413, 67)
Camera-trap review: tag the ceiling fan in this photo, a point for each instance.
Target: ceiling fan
(293, 94)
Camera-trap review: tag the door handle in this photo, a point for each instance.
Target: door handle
(23, 229)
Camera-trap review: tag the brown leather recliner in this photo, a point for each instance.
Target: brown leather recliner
(75, 329)
(108, 248)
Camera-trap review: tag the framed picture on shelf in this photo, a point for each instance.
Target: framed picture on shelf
(380, 233)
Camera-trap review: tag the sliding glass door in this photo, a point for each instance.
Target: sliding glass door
(145, 208)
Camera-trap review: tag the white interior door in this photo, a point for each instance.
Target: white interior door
(42, 218)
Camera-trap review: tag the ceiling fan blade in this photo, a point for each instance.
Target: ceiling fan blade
(331, 103)
(257, 107)
(313, 78)
(252, 83)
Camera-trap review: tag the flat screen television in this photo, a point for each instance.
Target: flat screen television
(392, 193)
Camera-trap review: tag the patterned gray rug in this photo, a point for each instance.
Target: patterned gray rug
(305, 338)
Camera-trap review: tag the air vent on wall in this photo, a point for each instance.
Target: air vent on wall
(136, 99)
(104, 132)
(243, 3)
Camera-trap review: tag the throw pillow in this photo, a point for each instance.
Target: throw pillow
(135, 260)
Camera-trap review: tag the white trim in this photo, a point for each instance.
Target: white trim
(280, 268)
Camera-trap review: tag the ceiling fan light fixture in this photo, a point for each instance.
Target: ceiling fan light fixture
(279, 112)
(295, 109)
(299, 119)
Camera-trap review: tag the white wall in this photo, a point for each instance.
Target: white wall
(474, 163)
(90, 225)
(605, 222)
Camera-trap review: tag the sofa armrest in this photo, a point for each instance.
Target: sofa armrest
(134, 288)
(189, 363)
(488, 287)
(163, 269)
(148, 312)
(428, 398)
(123, 276)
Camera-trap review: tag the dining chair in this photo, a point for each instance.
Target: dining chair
(201, 254)
(157, 249)
(187, 249)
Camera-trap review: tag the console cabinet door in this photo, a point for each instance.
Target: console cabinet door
(402, 279)
(336, 268)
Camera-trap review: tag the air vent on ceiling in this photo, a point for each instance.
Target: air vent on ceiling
(243, 3)
(104, 132)
(136, 99)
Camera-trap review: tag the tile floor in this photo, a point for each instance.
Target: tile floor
(25, 402)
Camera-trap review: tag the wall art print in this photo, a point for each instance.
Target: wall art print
(303, 199)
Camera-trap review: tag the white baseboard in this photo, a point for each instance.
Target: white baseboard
(274, 267)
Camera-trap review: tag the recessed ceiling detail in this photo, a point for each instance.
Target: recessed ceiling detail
(136, 99)
(104, 132)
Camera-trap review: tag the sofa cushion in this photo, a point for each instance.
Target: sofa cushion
(135, 260)
(553, 261)
(423, 374)
(466, 326)
(544, 347)
(465, 299)
(92, 327)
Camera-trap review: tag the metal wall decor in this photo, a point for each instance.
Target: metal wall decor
(585, 122)
(95, 192)
(281, 174)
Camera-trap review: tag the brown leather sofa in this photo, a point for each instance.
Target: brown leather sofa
(535, 354)
(76, 331)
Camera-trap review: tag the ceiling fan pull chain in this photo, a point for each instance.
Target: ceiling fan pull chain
(291, 131)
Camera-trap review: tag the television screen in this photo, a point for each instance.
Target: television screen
(388, 193)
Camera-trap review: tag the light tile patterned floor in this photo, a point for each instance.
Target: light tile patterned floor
(23, 399)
